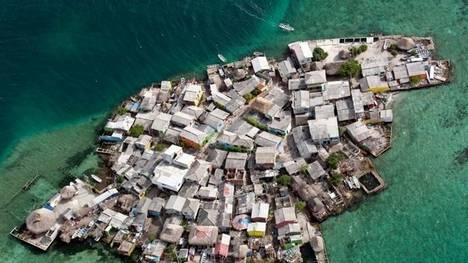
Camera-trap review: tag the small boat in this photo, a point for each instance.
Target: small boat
(222, 58)
(286, 27)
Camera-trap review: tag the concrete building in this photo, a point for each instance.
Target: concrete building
(260, 64)
(324, 131)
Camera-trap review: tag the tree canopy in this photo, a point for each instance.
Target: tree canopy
(137, 130)
(319, 54)
(351, 68)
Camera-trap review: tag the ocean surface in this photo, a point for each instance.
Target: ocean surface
(65, 64)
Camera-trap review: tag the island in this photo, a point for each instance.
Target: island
(243, 165)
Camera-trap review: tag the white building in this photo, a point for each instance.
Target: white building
(324, 131)
(260, 64)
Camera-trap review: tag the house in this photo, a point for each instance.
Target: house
(207, 193)
(143, 142)
(146, 119)
(374, 84)
(282, 124)
(161, 123)
(303, 142)
(284, 216)
(301, 52)
(172, 135)
(192, 137)
(386, 115)
(304, 190)
(208, 217)
(334, 90)
(249, 85)
(296, 84)
(154, 251)
(188, 189)
(265, 157)
(195, 111)
(203, 236)
(358, 105)
(289, 230)
(190, 209)
(193, 94)
(315, 170)
(216, 119)
(175, 204)
(149, 99)
(170, 177)
(126, 248)
(184, 160)
(260, 64)
(317, 209)
(267, 139)
(300, 101)
(324, 111)
(417, 69)
(261, 105)
(236, 160)
(165, 91)
(245, 202)
(171, 153)
(222, 247)
(182, 119)
(345, 110)
(156, 206)
(199, 173)
(172, 230)
(121, 123)
(324, 131)
(315, 79)
(401, 74)
(220, 98)
(256, 229)
(358, 131)
(232, 140)
(260, 212)
(286, 69)
(216, 157)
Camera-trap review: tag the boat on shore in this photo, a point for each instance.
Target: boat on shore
(222, 58)
(286, 27)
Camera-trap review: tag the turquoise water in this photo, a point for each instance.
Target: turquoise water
(65, 64)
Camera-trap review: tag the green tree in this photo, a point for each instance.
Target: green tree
(170, 253)
(336, 179)
(284, 180)
(119, 179)
(350, 68)
(334, 159)
(393, 49)
(248, 97)
(303, 169)
(121, 111)
(160, 147)
(362, 48)
(415, 80)
(137, 130)
(319, 54)
(300, 206)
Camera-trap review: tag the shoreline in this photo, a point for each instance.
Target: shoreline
(349, 146)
